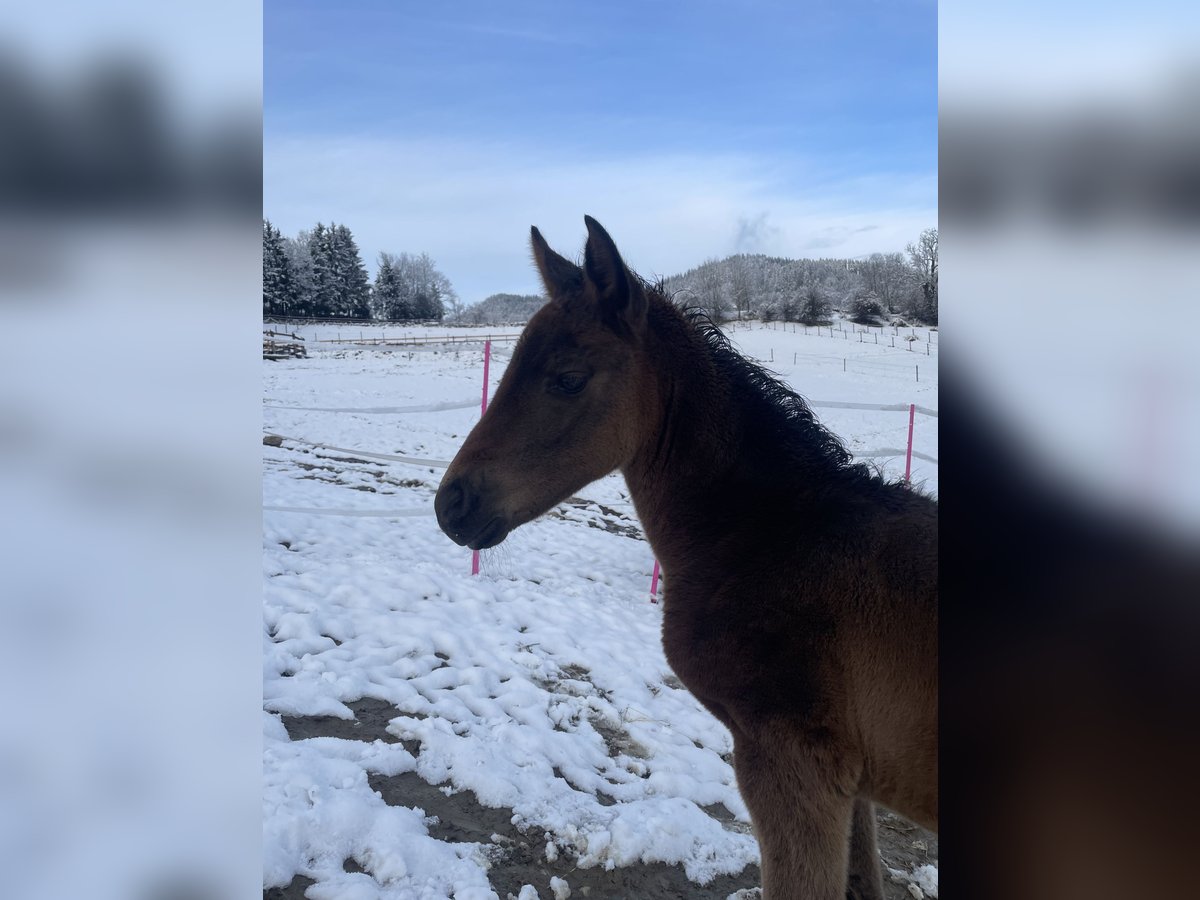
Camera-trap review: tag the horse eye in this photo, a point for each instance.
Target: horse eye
(571, 382)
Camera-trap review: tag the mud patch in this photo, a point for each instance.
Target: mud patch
(294, 890)
(519, 857)
(610, 520)
(576, 681)
(617, 740)
(371, 718)
(728, 820)
(460, 818)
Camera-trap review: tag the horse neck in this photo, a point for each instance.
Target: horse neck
(706, 457)
(690, 440)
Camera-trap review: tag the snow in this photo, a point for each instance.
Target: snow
(539, 686)
(921, 881)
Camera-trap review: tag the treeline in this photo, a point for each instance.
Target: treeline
(320, 274)
(502, 309)
(808, 290)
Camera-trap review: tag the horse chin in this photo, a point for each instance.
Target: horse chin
(501, 526)
(493, 533)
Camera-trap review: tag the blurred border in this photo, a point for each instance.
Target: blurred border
(1070, 246)
(130, 236)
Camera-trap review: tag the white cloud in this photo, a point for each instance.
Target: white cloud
(470, 205)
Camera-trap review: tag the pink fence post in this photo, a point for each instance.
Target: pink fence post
(912, 411)
(654, 584)
(487, 358)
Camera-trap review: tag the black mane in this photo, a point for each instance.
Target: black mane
(778, 420)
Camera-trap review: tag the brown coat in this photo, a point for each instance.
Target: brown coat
(801, 592)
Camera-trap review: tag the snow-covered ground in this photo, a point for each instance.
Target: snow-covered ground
(537, 688)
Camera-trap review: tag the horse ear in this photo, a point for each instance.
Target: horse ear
(559, 275)
(619, 293)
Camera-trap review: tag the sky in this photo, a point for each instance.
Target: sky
(690, 130)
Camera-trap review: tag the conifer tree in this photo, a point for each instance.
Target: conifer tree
(388, 301)
(354, 294)
(280, 291)
(324, 272)
(300, 263)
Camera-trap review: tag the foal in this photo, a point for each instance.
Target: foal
(801, 600)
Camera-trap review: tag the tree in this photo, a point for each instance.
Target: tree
(441, 292)
(866, 309)
(323, 300)
(923, 256)
(710, 289)
(502, 309)
(300, 264)
(411, 287)
(353, 287)
(387, 302)
(280, 291)
(429, 288)
(815, 308)
(740, 285)
(339, 279)
(886, 276)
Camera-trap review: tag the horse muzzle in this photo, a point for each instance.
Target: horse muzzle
(465, 518)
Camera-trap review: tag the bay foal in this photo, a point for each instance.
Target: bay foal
(801, 591)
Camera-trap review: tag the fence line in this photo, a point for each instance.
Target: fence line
(428, 511)
(470, 404)
(381, 410)
(855, 328)
(371, 513)
(411, 460)
(415, 340)
(891, 451)
(888, 407)
(442, 464)
(896, 367)
(278, 319)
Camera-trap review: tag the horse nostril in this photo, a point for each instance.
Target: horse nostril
(450, 503)
(458, 507)
(448, 496)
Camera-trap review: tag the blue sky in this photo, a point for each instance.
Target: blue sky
(690, 130)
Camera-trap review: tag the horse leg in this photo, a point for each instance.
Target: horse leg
(801, 817)
(866, 877)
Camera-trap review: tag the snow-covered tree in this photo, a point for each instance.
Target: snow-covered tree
(887, 277)
(708, 290)
(771, 287)
(323, 300)
(280, 291)
(354, 288)
(867, 309)
(387, 300)
(421, 291)
(502, 309)
(328, 278)
(740, 285)
(339, 279)
(923, 257)
(300, 264)
(814, 307)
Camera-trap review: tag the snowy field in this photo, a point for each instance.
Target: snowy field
(430, 734)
